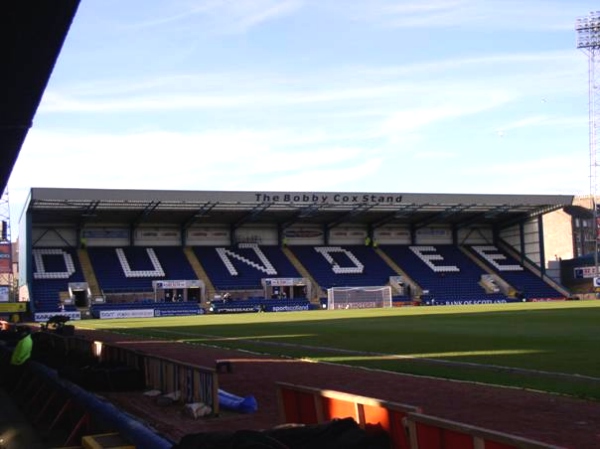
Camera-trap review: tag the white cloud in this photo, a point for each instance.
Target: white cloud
(435, 155)
(220, 16)
(544, 121)
(150, 158)
(476, 14)
(55, 102)
(268, 11)
(509, 62)
(445, 104)
(558, 174)
(177, 12)
(511, 74)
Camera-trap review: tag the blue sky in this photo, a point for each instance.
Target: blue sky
(448, 96)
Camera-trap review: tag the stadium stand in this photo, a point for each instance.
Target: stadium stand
(126, 269)
(347, 266)
(443, 272)
(54, 269)
(174, 263)
(242, 267)
(526, 284)
(233, 241)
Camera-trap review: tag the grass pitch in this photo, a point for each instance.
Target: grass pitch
(552, 347)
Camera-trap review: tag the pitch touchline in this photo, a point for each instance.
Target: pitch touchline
(398, 357)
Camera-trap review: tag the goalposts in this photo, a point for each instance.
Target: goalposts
(359, 297)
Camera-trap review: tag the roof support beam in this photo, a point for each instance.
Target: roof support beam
(357, 210)
(305, 212)
(441, 216)
(253, 214)
(527, 215)
(152, 205)
(88, 213)
(202, 212)
(403, 211)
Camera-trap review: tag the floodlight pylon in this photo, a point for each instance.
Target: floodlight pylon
(588, 41)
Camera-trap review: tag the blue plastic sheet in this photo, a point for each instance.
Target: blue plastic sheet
(235, 403)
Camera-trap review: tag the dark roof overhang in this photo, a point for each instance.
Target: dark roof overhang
(32, 33)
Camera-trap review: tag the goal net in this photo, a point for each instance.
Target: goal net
(359, 297)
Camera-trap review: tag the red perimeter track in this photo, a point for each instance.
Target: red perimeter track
(552, 419)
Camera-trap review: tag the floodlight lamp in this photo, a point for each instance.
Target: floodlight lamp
(588, 31)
